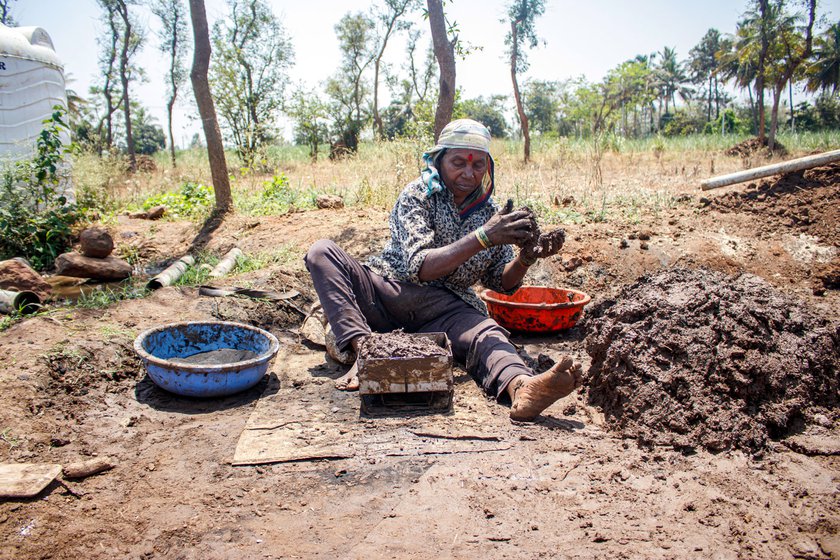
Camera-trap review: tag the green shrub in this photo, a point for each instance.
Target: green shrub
(35, 217)
(193, 200)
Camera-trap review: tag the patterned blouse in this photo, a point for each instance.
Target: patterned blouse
(419, 223)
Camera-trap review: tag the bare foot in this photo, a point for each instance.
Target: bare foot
(532, 395)
(349, 381)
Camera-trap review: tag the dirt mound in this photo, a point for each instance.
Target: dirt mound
(755, 147)
(808, 201)
(695, 358)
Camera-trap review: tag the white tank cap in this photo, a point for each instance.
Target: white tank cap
(30, 43)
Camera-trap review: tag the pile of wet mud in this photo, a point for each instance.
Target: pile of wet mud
(399, 344)
(755, 147)
(699, 359)
(807, 201)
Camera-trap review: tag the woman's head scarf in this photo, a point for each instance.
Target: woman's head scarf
(461, 133)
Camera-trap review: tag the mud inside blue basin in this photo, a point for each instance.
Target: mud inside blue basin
(166, 353)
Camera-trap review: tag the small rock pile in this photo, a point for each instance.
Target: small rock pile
(95, 260)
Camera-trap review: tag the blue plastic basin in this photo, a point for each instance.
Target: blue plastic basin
(158, 346)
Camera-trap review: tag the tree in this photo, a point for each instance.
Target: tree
(348, 88)
(148, 136)
(540, 102)
(388, 21)
(421, 79)
(790, 51)
(522, 14)
(130, 45)
(738, 57)
(206, 109)
(6, 13)
(823, 72)
(173, 19)
(107, 62)
(445, 54)
(310, 115)
(490, 112)
(671, 78)
(248, 74)
(704, 66)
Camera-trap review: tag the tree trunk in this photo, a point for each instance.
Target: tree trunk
(752, 109)
(790, 101)
(774, 116)
(762, 59)
(445, 55)
(129, 137)
(377, 118)
(523, 118)
(170, 105)
(201, 88)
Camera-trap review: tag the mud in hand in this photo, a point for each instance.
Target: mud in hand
(541, 245)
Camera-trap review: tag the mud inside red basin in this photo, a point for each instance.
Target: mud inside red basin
(536, 309)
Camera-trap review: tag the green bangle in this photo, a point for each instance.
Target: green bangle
(482, 238)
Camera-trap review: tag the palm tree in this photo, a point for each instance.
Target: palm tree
(824, 70)
(671, 77)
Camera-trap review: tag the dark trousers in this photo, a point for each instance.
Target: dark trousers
(357, 301)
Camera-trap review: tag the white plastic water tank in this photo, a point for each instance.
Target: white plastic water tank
(31, 84)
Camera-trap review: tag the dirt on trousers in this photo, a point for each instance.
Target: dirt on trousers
(695, 358)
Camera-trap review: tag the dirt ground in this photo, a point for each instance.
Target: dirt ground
(575, 484)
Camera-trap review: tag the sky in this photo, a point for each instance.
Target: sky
(581, 38)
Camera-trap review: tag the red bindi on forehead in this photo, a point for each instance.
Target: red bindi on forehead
(469, 157)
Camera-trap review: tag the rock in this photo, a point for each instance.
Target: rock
(109, 268)
(152, 214)
(645, 235)
(16, 275)
(571, 262)
(329, 201)
(96, 242)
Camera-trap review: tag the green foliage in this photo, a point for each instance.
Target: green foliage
(276, 197)
(103, 296)
(489, 112)
(148, 136)
(35, 218)
(251, 54)
(824, 114)
(727, 123)
(193, 200)
(680, 123)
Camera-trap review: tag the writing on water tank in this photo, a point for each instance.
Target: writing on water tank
(2, 65)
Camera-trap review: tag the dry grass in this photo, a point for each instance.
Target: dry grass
(566, 181)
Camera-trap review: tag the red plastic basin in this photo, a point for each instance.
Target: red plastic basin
(536, 309)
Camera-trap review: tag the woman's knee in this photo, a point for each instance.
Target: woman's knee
(319, 251)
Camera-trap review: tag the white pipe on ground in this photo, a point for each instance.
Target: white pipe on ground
(799, 164)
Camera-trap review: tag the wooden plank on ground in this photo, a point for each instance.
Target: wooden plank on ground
(25, 480)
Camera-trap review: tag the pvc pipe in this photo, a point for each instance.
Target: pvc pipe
(25, 302)
(171, 274)
(799, 164)
(226, 264)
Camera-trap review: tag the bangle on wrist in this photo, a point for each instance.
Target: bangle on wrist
(481, 235)
(526, 261)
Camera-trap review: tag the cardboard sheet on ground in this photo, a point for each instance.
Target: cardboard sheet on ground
(25, 480)
(301, 416)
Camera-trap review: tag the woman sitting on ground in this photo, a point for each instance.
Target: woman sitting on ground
(447, 234)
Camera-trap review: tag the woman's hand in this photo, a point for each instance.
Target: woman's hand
(546, 245)
(507, 227)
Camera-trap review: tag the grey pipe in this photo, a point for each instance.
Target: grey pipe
(171, 274)
(24, 302)
(226, 264)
